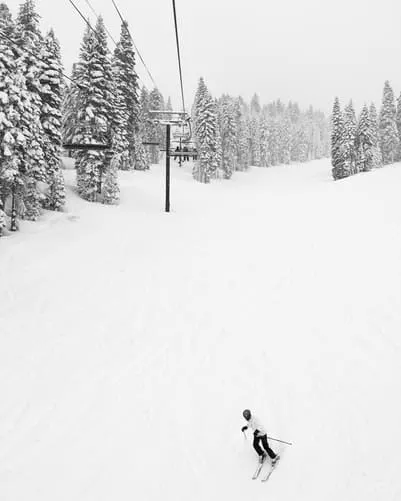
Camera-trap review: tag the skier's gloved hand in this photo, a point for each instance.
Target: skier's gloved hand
(244, 428)
(256, 432)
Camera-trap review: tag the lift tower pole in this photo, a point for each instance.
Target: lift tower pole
(168, 133)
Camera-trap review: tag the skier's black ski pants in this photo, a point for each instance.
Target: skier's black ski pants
(258, 448)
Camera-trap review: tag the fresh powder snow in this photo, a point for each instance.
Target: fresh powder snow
(131, 340)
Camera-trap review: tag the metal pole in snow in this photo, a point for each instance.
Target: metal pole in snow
(168, 168)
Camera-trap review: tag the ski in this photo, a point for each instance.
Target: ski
(267, 476)
(258, 470)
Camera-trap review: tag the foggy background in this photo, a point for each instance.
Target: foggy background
(307, 51)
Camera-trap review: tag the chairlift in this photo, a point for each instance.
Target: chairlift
(184, 134)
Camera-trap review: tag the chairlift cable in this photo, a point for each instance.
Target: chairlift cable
(178, 55)
(97, 15)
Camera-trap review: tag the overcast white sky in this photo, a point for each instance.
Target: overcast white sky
(304, 50)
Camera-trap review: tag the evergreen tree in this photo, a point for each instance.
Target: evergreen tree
(142, 159)
(242, 135)
(205, 134)
(51, 119)
(364, 142)
(349, 139)
(302, 142)
(70, 107)
(156, 132)
(119, 120)
(125, 69)
(95, 102)
(374, 134)
(3, 224)
(255, 105)
(285, 140)
(388, 133)
(228, 136)
(340, 170)
(264, 142)
(13, 98)
(29, 38)
(111, 190)
(245, 158)
(274, 141)
(218, 149)
(398, 123)
(254, 140)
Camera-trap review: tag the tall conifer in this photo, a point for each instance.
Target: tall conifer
(388, 133)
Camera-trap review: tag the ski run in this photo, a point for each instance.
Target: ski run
(131, 340)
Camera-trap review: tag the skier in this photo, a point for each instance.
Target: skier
(259, 435)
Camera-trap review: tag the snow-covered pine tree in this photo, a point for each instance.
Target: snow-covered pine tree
(70, 96)
(51, 119)
(205, 134)
(111, 190)
(119, 122)
(302, 141)
(6, 20)
(349, 141)
(340, 170)
(242, 155)
(218, 151)
(264, 142)
(285, 140)
(274, 140)
(156, 132)
(255, 105)
(254, 136)
(376, 159)
(13, 98)
(169, 106)
(29, 38)
(142, 158)
(388, 133)
(244, 141)
(3, 223)
(125, 67)
(228, 136)
(364, 142)
(398, 123)
(95, 102)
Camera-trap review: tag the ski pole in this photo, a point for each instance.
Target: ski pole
(244, 435)
(277, 440)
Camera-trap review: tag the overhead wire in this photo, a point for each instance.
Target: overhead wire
(179, 55)
(133, 42)
(97, 16)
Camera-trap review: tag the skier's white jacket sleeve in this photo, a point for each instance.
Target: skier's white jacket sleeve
(255, 424)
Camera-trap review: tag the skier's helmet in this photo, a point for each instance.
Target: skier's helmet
(247, 414)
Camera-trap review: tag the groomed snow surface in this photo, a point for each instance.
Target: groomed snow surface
(131, 340)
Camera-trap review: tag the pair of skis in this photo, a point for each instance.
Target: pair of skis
(266, 477)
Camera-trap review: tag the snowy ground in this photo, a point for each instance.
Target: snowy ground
(131, 340)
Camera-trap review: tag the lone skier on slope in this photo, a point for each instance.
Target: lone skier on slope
(259, 435)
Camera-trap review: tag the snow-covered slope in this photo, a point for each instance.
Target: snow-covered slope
(131, 340)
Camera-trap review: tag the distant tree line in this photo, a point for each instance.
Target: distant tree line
(369, 142)
(231, 135)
